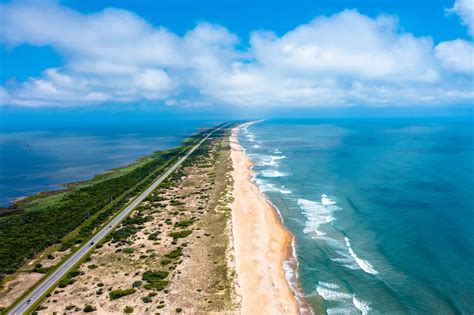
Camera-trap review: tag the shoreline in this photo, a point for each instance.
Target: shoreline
(266, 266)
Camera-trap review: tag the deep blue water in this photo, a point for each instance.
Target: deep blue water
(382, 210)
(39, 156)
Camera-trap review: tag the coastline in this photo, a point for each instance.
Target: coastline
(264, 249)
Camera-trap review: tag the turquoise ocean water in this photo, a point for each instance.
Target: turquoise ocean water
(382, 210)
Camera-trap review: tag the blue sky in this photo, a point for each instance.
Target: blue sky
(255, 56)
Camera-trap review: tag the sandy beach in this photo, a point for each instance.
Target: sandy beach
(262, 245)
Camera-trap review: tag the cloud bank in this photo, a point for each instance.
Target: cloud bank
(343, 59)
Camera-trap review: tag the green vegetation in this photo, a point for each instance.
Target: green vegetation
(69, 278)
(129, 227)
(180, 234)
(88, 308)
(153, 236)
(155, 280)
(175, 254)
(117, 294)
(39, 268)
(128, 250)
(155, 197)
(70, 216)
(146, 299)
(159, 285)
(185, 223)
(128, 310)
(152, 276)
(176, 203)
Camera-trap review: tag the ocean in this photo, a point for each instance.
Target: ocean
(382, 210)
(37, 156)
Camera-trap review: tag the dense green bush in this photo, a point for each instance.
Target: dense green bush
(88, 308)
(117, 294)
(152, 276)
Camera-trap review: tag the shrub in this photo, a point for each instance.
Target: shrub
(116, 294)
(38, 268)
(180, 234)
(175, 254)
(88, 308)
(136, 284)
(152, 276)
(177, 203)
(165, 261)
(128, 309)
(65, 282)
(159, 285)
(146, 299)
(184, 223)
(153, 236)
(179, 310)
(74, 273)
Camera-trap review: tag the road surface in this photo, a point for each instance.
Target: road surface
(35, 295)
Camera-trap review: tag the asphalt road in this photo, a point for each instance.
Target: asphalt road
(49, 283)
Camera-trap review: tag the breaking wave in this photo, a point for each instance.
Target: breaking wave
(363, 264)
(347, 303)
(271, 173)
(317, 214)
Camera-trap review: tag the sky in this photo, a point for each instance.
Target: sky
(236, 56)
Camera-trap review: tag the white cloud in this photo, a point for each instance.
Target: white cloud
(348, 44)
(347, 58)
(456, 55)
(465, 10)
